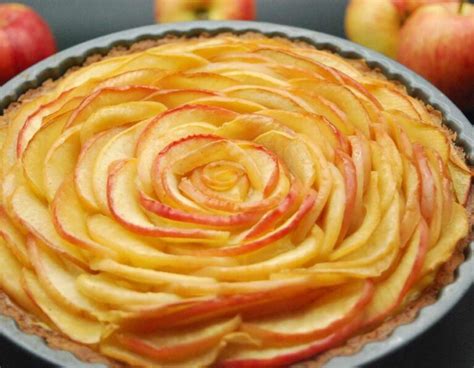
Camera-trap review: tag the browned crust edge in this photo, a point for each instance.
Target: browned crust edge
(56, 340)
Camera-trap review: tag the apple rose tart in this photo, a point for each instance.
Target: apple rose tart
(229, 201)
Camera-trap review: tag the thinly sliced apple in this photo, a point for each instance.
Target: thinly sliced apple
(326, 315)
(187, 312)
(35, 217)
(33, 158)
(138, 77)
(371, 220)
(121, 146)
(390, 292)
(61, 160)
(311, 125)
(291, 224)
(14, 238)
(345, 99)
(392, 99)
(293, 152)
(140, 251)
(117, 115)
(115, 350)
(322, 106)
(69, 219)
(445, 246)
(331, 221)
(271, 98)
(110, 291)
(255, 78)
(238, 105)
(10, 280)
(82, 330)
(242, 356)
(85, 166)
(107, 96)
(412, 214)
(147, 147)
(187, 80)
(127, 211)
(58, 280)
(418, 132)
(376, 255)
(461, 182)
(297, 257)
(287, 57)
(179, 97)
(179, 345)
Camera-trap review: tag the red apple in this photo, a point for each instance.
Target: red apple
(188, 10)
(437, 42)
(25, 39)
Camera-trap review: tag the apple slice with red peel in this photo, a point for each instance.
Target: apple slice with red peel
(123, 202)
(61, 160)
(347, 168)
(181, 344)
(220, 220)
(271, 98)
(147, 147)
(390, 292)
(155, 58)
(322, 106)
(119, 147)
(34, 121)
(142, 252)
(412, 214)
(428, 188)
(138, 77)
(36, 218)
(69, 219)
(293, 152)
(256, 78)
(33, 158)
(179, 97)
(370, 221)
(243, 357)
(113, 349)
(345, 99)
(461, 181)
(302, 254)
(421, 133)
(287, 57)
(250, 246)
(237, 105)
(443, 249)
(108, 96)
(10, 280)
(392, 99)
(14, 238)
(310, 125)
(202, 80)
(109, 117)
(90, 150)
(187, 312)
(58, 279)
(110, 291)
(326, 315)
(79, 329)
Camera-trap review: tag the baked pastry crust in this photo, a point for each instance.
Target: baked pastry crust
(445, 275)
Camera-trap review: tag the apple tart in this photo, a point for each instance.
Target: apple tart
(234, 201)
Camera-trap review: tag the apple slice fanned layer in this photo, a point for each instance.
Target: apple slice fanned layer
(225, 201)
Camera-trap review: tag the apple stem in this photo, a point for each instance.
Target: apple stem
(461, 4)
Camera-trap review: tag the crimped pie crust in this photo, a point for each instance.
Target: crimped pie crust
(446, 274)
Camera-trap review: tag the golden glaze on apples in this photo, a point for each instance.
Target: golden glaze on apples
(237, 202)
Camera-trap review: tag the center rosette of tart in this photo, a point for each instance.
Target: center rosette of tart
(232, 201)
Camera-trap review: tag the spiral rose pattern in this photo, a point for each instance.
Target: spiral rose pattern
(232, 201)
